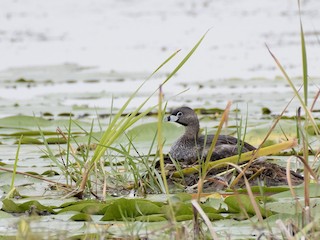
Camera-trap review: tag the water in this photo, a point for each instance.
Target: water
(84, 56)
(137, 35)
(119, 43)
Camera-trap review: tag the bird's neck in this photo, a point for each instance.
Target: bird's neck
(192, 132)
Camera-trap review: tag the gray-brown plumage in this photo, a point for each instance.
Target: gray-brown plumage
(191, 146)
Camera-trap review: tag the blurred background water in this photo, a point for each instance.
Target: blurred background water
(121, 41)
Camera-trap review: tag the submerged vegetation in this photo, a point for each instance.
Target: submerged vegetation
(98, 180)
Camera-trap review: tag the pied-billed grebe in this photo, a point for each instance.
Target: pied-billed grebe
(191, 146)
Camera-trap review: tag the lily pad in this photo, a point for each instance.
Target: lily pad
(129, 209)
(34, 123)
(239, 203)
(30, 133)
(89, 207)
(29, 140)
(81, 217)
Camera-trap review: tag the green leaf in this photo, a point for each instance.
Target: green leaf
(32, 123)
(183, 209)
(29, 140)
(81, 217)
(208, 209)
(22, 122)
(129, 209)
(265, 189)
(67, 204)
(283, 216)
(151, 218)
(33, 203)
(86, 207)
(96, 209)
(304, 60)
(56, 140)
(30, 133)
(215, 216)
(314, 189)
(50, 173)
(286, 205)
(183, 197)
(11, 206)
(242, 203)
(181, 218)
(147, 131)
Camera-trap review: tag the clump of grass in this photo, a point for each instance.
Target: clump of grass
(119, 125)
(80, 169)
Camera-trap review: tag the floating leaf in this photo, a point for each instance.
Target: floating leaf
(33, 123)
(129, 209)
(147, 131)
(50, 173)
(23, 80)
(11, 206)
(151, 218)
(314, 190)
(182, 209)
(265, 189)
(284, 129)
(211, 111)
(35, 204)
(57, 140)
(30, 133)
(286, 205)
(311, 130)
(67, 204)
(266, 110)
(207, 209)
(81, 217)
(32, 173)
(66, 114)
(182, 197)
(23, 122)
(96, 209)
(29, 140)
(77, 207)
(181, 218)
(240, 203)
(283, 216)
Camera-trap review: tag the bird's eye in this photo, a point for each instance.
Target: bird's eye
(179, 114)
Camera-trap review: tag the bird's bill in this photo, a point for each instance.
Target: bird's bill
(172, 118)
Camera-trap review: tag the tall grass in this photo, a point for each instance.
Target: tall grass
(12, 191)
(205, 166)
(308, 223)
(309, 119)
(120, 124)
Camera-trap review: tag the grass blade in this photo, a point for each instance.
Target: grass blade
(308, 112)
(304, 60)
(15, 164)
(244, 157)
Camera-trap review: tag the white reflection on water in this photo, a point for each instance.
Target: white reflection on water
(129, 39)
(138, 35)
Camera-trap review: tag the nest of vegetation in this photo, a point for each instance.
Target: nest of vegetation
(259, 173)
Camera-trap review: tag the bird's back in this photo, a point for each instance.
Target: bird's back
(226, 146)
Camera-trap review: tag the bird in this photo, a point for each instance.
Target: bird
(192, 146)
